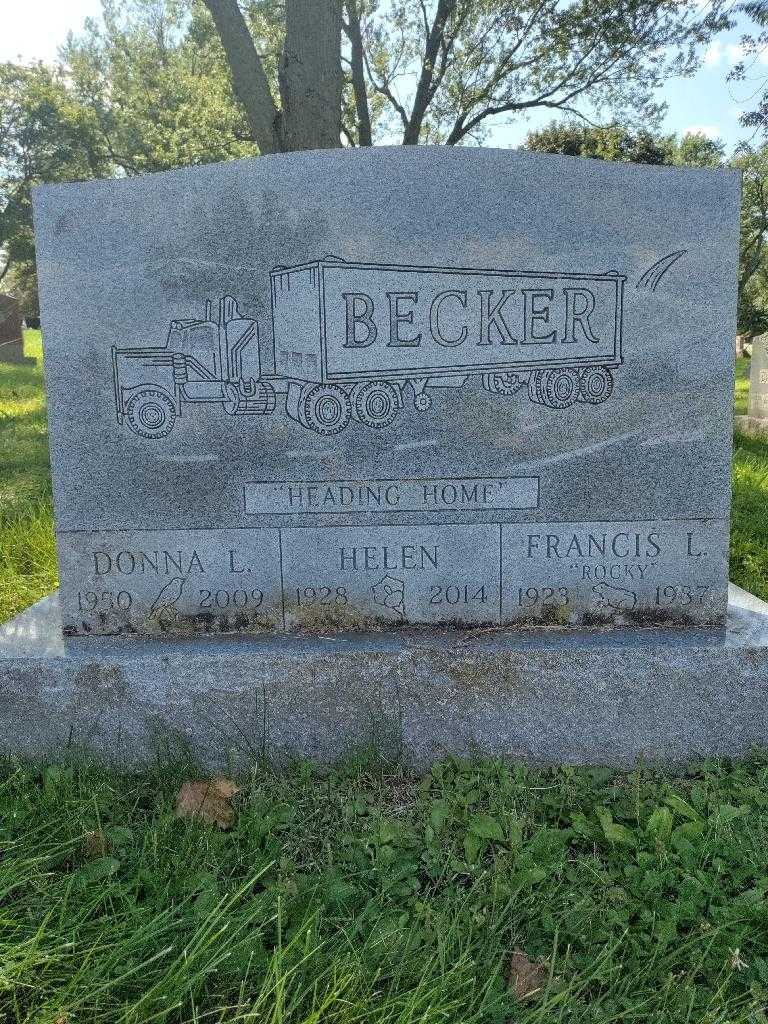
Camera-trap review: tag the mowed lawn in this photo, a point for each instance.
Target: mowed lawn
(27, 551)
(369, 895)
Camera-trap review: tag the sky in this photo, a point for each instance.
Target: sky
(34, 29)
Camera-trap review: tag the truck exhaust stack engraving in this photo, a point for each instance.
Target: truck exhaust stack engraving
(351, 338)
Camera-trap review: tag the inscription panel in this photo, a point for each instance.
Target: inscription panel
(161, 582)
(318, 408)
(391, 575)
(638, 573)
(380, 497)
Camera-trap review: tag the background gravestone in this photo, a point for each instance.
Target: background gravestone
(758, 378)
(11, 332)
(446, 386)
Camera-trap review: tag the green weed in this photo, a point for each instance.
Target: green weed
(741, 393)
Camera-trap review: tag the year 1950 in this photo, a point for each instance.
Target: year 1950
(104, 600)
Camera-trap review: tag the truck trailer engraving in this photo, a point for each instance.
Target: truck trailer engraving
(349, 339)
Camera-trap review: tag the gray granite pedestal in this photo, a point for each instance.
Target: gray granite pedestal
(598, 697)
(752, 426)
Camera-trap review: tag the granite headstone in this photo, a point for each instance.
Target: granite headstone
(11, 332)
(388, 387)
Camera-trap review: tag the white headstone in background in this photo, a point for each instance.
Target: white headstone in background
(758, 378)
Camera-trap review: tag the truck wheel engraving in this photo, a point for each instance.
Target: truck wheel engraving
(561, 388)
(326, 409)
(536, 387)
(503, 383)
(422, 402)
(151, 413)
(595, 385)
(374, 403)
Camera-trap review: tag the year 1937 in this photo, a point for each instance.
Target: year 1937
(676, 594)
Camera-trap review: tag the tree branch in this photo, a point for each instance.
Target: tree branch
(462, 127)
(384, 89)
(421, 100)
(248, 76)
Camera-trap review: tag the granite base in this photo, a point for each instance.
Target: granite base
(752, 426)
(607, 697)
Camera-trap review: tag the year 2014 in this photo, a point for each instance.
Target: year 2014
(458, 593)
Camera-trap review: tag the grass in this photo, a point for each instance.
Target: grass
(741, 393)
(27, 551)
(749, 511)
(373, 896)
(370, 895)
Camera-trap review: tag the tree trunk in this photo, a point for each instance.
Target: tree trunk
(311, 76)
(364, 137)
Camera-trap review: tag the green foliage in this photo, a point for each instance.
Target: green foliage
(505, 57)
(353, 897)
(45, 136)
(614, 142)
(752, 47)
(146, 91)
(741, 391)
(753, 256)
(697, 150)
(749, 516)
(156, 82)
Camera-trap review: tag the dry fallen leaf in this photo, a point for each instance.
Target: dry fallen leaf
(208, 799)
(524, 977)
(95, 844)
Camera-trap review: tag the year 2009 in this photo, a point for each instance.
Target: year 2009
(231, 598)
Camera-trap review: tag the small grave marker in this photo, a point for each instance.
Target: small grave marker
(11, 332)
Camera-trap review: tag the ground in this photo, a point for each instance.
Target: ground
(370, 895)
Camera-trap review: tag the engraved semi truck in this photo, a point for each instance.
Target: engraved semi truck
(350, 339)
